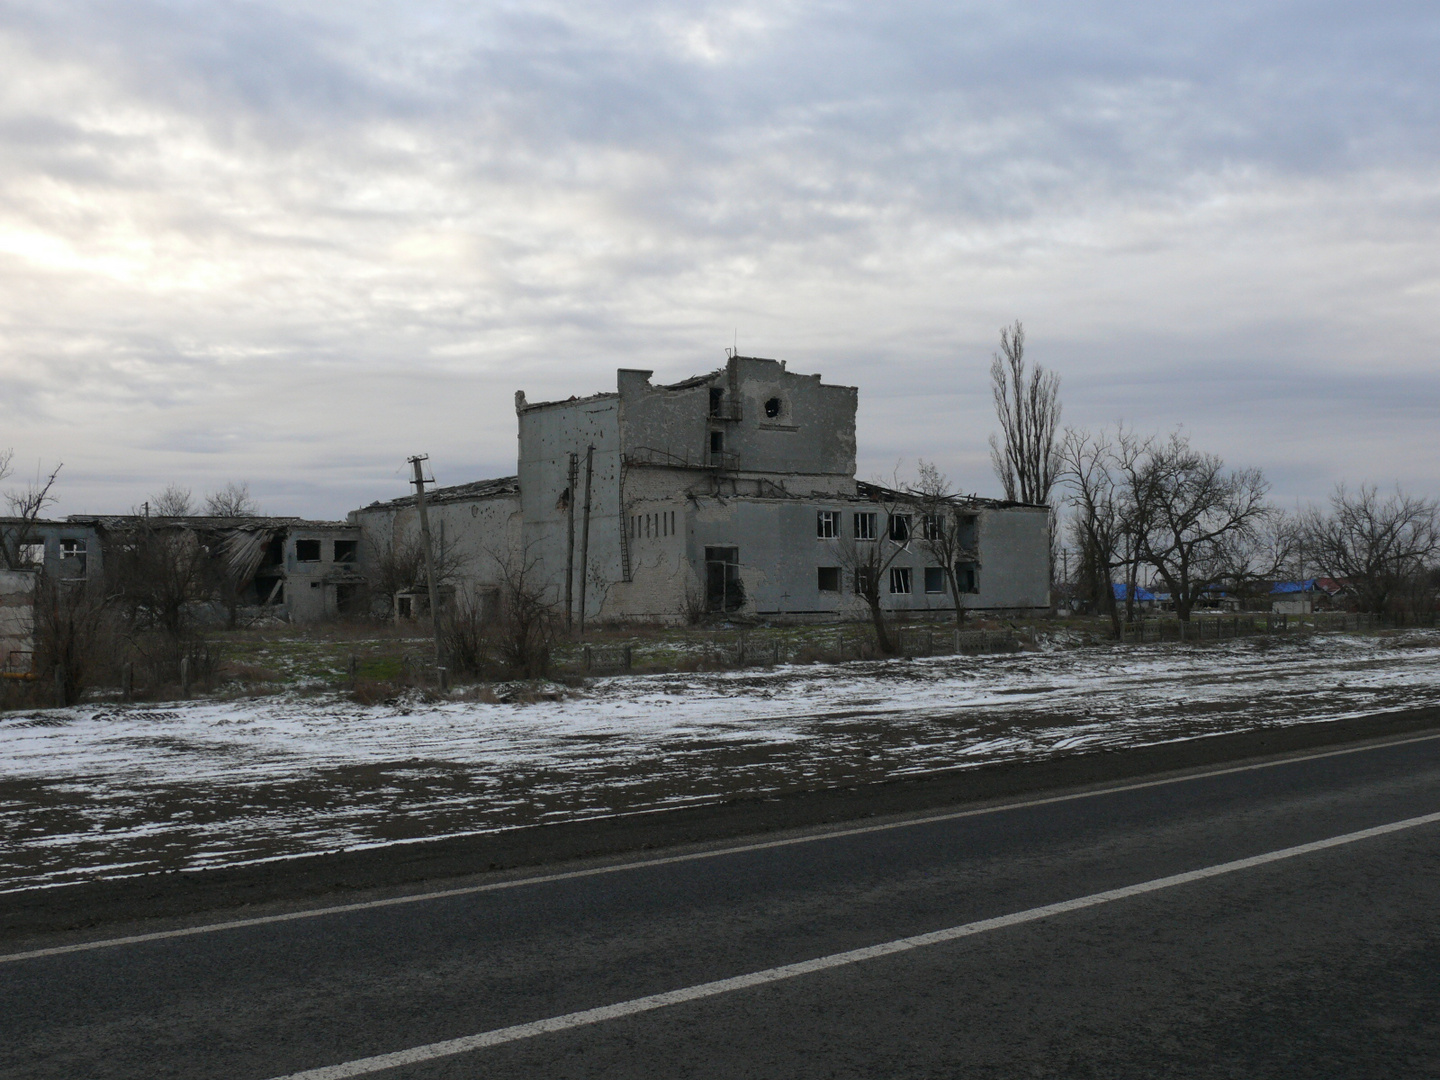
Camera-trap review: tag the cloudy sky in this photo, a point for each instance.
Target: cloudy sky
(294, 243)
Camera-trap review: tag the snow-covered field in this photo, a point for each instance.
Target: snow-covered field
(117, 790)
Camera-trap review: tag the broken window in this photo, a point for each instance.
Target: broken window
(827, 524)
(932, 527)
(724, 590)
(347, 551)
(829, 579)
(773, 408)
(717, 443)
(967, 577)
(866, 578)
(307, 550)
(934, 579)
(969, 527)
(72, 558)
(900, 528)
(900, 579)
(865, 525)
(717, 400)
(31, 554)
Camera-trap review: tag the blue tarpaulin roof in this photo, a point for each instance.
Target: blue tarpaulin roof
(1308, 585)
(1141, 593)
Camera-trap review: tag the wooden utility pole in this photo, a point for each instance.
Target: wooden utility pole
(419, 482)
(585, 535)
(570, 543)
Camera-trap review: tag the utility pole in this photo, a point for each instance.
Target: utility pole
(570, 543)
(419, 482)
(585, 535)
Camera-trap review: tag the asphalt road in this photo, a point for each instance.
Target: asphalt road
(1323, 964)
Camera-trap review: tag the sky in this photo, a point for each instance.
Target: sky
(293, 244)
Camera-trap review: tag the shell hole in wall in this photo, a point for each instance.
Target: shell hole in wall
(773, 407)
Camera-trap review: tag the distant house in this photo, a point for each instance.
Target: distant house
(1144, 598)
(1303, 597)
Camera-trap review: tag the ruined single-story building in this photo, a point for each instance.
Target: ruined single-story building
(733, 491)
(300, 570)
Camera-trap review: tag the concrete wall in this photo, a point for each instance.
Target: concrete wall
(72, 550)
(1014, 549)
(312, 587)
(549, 434)
(808, 446)
(17, 621)
(475, 537)
(781, 556)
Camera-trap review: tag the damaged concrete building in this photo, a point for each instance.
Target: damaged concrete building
(286, 567)
(733, 491)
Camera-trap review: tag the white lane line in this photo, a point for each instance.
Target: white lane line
(694, 856)
(451, 1047)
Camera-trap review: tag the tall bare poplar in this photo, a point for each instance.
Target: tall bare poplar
(1027, 404)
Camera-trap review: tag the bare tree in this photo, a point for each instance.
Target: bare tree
(233, 500)
(941, 528)
(174, 501)
(399, 566)
(25, 505)
(1027, 404)
(529, 617)
(1377, 547)
(866, 553)
(1200, 519)
(1087, 468)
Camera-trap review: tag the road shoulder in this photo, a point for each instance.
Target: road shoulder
(133, 904)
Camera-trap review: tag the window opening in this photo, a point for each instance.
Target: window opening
(72, 558)
(772, 408)
(307, 550)
(347, 551)
(717, 443)
(932, 527)
(900, 528)
(900, 579)
(829, 579)
(864, 525)
(865, 579)
(934, 579)
(32, 554)
(717, 401)
(827, 524)
(724, 590)
(967, 577)
(969, 526)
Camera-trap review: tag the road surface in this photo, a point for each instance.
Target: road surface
(1260, 960)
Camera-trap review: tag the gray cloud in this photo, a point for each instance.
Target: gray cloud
(293, 243)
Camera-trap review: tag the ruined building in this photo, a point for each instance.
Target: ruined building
(733, 491)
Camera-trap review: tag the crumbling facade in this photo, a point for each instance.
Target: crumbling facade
(733, 492)
(282, 567)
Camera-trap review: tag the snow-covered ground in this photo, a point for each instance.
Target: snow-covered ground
(115, 790)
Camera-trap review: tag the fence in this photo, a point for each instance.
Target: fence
(753, 650)
(1220, 627)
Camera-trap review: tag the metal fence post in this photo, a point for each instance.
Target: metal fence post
(185, 676)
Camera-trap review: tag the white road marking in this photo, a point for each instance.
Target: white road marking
(641, 864)
(451, 1047)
